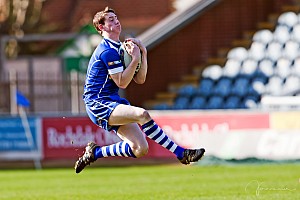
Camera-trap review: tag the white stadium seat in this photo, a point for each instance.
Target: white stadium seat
(274, 86)
(281, 34)
(291, 85)
(238, 53)
(249, 67)
(257, 51)
(212, 71)
(288, 19)
(295, 34)
(283, 67)
(232, 68)
(291, 49)
(274, 51)
(264, 36)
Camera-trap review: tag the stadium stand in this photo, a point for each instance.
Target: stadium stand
(269, 67)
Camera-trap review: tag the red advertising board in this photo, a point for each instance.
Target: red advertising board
(67, 137)
(214, 121)
(185, 127)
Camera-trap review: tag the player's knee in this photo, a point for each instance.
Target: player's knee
(143, 116)
(140, 150)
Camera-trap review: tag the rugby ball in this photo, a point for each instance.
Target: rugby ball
(126, 58)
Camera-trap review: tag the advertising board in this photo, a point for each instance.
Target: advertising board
(17, 141)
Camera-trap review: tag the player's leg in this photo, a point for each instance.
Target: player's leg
(128, 114)
(134, 143)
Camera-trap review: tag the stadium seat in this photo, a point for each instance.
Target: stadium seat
(295, 69)
(232, 102)
(249, 68)
(274, 50)
(250, 102)
(288, 19)
(205, 87)
(265, 68)
(161, 106)
(237, 53)
(281, 34)
(212, 71)
(283, 67)
(222, 87)
(264, 36)
(215, 102)
(257, 51)
(295, 33)
(187, 90)
(232, 68)
(198, 102)
(274, 86)
(256, 89)
(291, 49)
(181, 103)
(240, 87)
(291, 85)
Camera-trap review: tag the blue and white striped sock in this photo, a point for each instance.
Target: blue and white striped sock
(154, 132)
(119, 149)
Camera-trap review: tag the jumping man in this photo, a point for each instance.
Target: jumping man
(105, 75)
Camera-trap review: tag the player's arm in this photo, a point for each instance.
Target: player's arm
(121, 77)
(140, 77)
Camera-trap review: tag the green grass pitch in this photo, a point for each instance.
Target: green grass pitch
(264, 181)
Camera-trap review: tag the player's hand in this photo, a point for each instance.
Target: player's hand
(133, 50)
(139, 44)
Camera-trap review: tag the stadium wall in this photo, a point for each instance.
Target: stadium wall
(226, 135)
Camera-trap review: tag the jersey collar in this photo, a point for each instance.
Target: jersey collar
(112, 41)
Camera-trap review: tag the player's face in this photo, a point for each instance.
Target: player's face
(112, 23)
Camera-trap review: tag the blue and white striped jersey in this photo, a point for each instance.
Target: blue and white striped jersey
(104, 61)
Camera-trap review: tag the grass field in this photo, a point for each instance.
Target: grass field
(264, 181)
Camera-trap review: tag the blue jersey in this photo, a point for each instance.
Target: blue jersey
(105, 61)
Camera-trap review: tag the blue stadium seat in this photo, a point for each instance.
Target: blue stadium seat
(198, 102)
(187, 90)
(181, 102)
(161, 106)
(205, 87)
(222, 87)
(232, 102)
(215, 102)
(240, 87)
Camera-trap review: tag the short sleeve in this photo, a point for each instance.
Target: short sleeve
(112, 60)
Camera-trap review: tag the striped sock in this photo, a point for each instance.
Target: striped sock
(154, 132)
(119, 149)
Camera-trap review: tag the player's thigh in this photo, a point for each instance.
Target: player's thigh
(124, 114)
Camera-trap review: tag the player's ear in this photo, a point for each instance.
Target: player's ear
(100, 27)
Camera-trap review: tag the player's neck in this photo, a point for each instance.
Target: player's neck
(113, 37)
